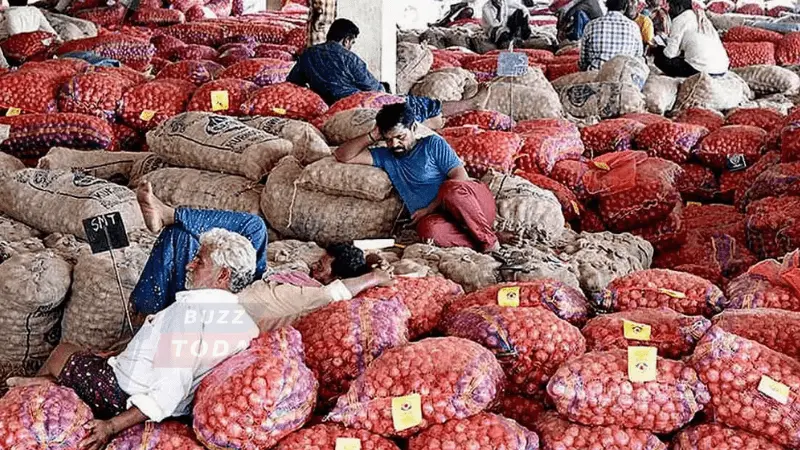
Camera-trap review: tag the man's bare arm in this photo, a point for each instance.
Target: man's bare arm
(356, 151)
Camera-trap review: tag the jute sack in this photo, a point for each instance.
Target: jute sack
(575, 78)
(10, 249)
(468, 268)
(297, 213)
(57, 201)
(413, 62)
(660, 93)
(533, 78)
(205, 190)
(297, 254)
(150, 162)
(34, 287)
(349, 180)
(94, 317)
(599, 258)
(534, 264)
(111, 166)
(347, 125)
(308, 143)
(525, 209)
(446, 85)
(766, 80)
(10, 163)
(624, 69)
(207, 141)
(721, 94)
(13, 231)
(68, 247)
(522, 102)
(604, 100)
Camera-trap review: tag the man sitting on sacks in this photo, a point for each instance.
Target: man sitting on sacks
(335, 72)
(276, 300)
(447, 206)
(157, 374)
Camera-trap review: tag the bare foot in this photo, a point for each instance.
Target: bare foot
(29, 381)
(154, 211)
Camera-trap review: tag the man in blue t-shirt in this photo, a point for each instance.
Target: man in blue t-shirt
(447, 206)
(334, 72)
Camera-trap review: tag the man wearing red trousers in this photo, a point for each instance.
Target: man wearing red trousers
(446, 205)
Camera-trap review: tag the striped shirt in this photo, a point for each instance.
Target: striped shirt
(607, 37)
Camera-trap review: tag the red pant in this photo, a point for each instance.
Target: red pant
(466, 217)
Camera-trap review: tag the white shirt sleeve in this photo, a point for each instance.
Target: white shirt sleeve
(44, 25)
(490, 21)
(679, 26)
(169, 385)
(338, 291)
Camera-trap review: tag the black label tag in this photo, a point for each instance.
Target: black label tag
(105, 232)
(736, 163)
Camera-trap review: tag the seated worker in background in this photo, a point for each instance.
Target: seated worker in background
(644, 23)
(609, 36)
(693, 45)
(506, 21)
(573, 16)
(446, 205)
(165, 271)
(341, 274)
(156, 376)
(458, 11)
(656, 10)
(21, 18)
(334, 72)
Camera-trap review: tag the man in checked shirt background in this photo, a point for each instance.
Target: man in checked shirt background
(609, 36)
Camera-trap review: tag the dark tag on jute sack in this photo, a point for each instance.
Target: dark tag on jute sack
(510, 64)
(106, 232)
(736, 163)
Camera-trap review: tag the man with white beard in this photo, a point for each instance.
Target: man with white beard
(157, 374)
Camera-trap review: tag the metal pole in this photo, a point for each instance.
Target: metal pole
(119, 282)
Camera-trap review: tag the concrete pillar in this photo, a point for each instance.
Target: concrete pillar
(377, 43)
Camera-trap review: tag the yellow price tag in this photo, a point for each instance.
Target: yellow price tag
(602, 166)
(636, 331)
(348, 444)
(774, 389)
(279, 111)
(642, 364)
(508, 296)
(219, 101)
(406, 412)
(13, 112)
(671, 293)
(694, 204)
(147, 115)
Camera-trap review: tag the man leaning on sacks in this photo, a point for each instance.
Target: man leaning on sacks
(447, 206)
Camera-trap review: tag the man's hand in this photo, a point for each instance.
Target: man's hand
(420, 213)
(100, 432)
(384, 278)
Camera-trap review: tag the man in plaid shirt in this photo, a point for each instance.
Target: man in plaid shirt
(611, 35)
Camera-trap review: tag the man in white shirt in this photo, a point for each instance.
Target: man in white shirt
(21, 18)
(506, 20)
(155, 377)
(693, 45)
